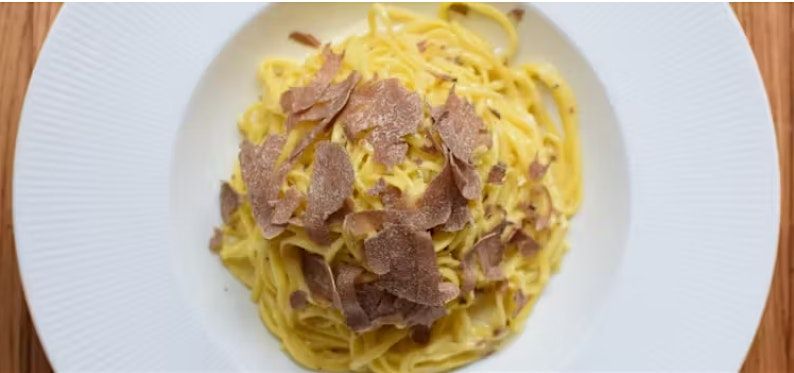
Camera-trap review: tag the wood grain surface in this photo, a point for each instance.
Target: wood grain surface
(22, 31)
(23, 28)
(769, 30)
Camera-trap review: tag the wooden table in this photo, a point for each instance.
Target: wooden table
(22, 31)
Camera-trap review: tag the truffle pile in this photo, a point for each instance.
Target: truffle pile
(398, 281)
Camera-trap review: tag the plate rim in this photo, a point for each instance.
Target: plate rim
(66, 12)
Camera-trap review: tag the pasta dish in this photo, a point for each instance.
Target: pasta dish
(401, 198)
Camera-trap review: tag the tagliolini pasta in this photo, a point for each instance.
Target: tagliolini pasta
(402, 197)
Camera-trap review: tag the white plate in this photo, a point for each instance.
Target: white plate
(129, 123)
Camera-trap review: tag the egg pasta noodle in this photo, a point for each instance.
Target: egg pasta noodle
(510, 102)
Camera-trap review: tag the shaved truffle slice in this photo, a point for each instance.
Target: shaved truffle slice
(387, 108)
(390, 195)
(217, 240)
(370, 297)
(229, 202)
(516, 13)
(332, 101)
(489, 250)
(460, 128)
(459, 212)
(297, 300)
(469, 277)
(421, 46)
(537, 170)
(331, 184)
(406, 261)
(434, 207)
(286, 206)
(461, 8)
(355, 316)
(305, 38)
(319, 101)
(418, 314)
(466, 179)
(378, 305)
(420, 334)
(339, 215)
(392, 198)
(462, 131)
(449, 291)
(318, 277)
(497, 173)
(257, 163)
(436, 147)
(384, 308)
(541, 215)
(442, 203)
(526, 245)
(329, 103)
(519, 301)
(380, 250)
(259, 173)
(414, 277)
(297, 99)
(361, 223)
